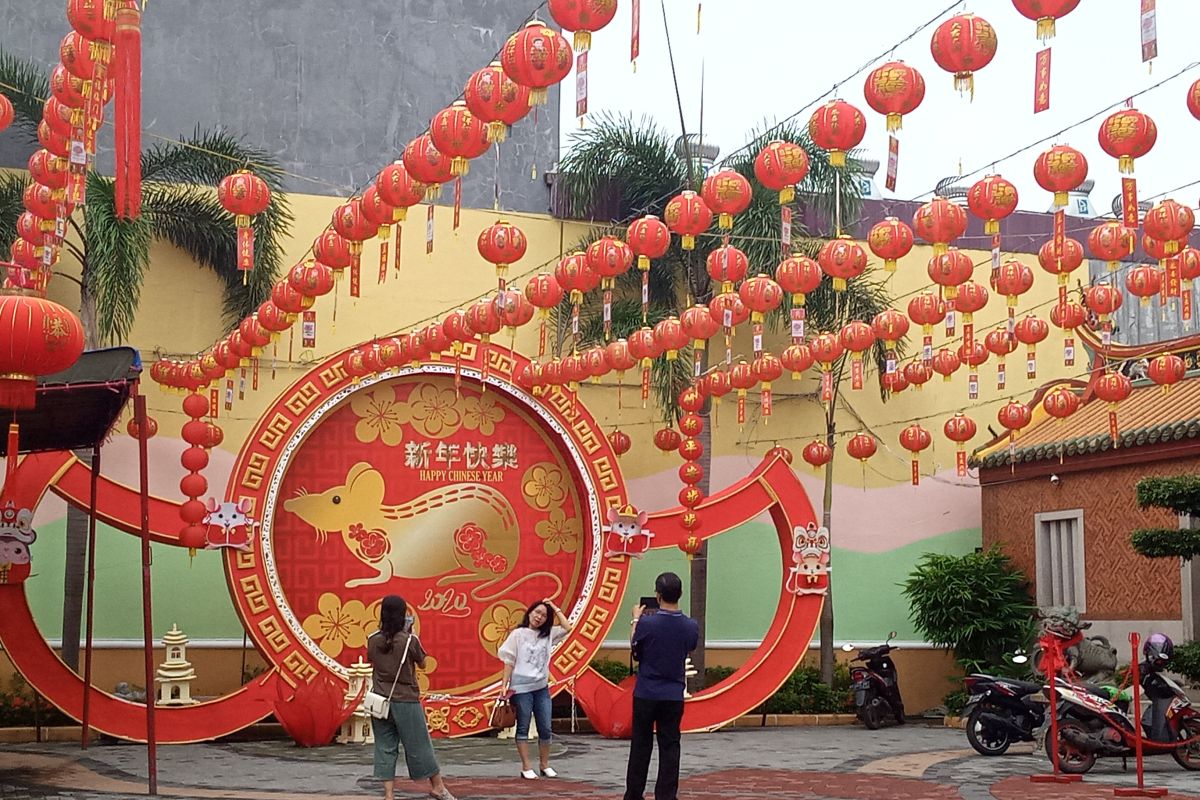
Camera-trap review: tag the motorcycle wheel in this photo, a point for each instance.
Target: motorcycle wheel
(872, 714)
(985, 740)
(1071, 759)
(1188, 756)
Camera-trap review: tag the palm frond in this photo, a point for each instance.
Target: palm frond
(118, 253)
(26, 85)
(12, 190)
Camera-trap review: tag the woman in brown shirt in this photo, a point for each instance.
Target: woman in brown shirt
(396, 654)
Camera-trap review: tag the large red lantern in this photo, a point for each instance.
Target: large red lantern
(48, 169)
(379, 213)
(939, 222)
(1014, 416)
(837, 127)
(688, 216)
(727, 265)
(1103, 300)
(244, 195)
(1112, 388)
(92, 19)
(1171, 223)
(914, 439)
(354, 226)
(649, 238)
(798, 275)
(427, 165)
(762, 295)
(497, 100)
(1060, 402)
(502, 244)
(1060, 170)
(894, 89)
(1111, 241)
(960, 429)
(1061, 264)
(311, 279)
(856, 337)
(40, 337)
(1012, 280)
(1144, 281)
(780, 166)
(946, 363)
(609, 258)
(667, 439)
(842, 259)
(963, 45)
(575, 275)
(728, 309)
(861, 446)
(1126, 135)
(726, 193)
(585, 17)
(1044, 12)
(889, 327)
(1166, 370)
(992, 199)
(891, 240)
(670, 337)
(699, 325)
(796, 358)
(6, 112)
(950, 270)
(537, 57)
(926, 310)
(460, 135)
(1189, 266)
(817, 454)
(77, 56)
(767, 369)
(620, 442)
(1029, 331)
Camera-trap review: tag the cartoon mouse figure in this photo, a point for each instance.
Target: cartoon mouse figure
(810, 569)
(228, 525)
(627, 535)
(16, 535)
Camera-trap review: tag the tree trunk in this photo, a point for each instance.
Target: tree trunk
(826, 625)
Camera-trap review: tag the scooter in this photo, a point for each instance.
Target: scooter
(1094, 723)
(1001, 711)
(876, 692)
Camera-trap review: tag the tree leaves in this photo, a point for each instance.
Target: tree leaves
(29, 89)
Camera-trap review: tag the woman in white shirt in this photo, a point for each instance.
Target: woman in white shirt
(526, 657)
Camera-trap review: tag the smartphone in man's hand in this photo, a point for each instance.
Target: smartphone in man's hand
(649, 604)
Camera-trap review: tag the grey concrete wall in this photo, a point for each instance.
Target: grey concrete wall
(334, 89)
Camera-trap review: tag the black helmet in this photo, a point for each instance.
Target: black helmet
(1158, 649)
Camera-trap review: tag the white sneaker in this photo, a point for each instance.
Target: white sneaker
(549, 772)
(529, 775)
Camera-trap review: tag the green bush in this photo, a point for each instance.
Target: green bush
(18, 708)
(1187, 661)
(1180, 493)
(955, 700)
(610, 668)
(976, 604)
(714, 675)
(804, 693)
(1166, 542)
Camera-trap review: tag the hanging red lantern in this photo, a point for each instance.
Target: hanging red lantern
(1014, 416)
(649, 238)
(1126, 135)
(861, 446)
(584, 17)
(427, 165)
(1157, 248)
(699, 325)
(92, 19)
(761, 295)
(939, 222)
(1144, 281)
(992, 199)
(894, 89)
(70, 90)
(502, 244)
(817, 454)
(244, 195)
(670, 337)
(837, 127)
(1060, 170)
(1062, 264)
(894, 382)
(728, 310)
(963, 45)
(767, 369)
(354, 226)
(1060, 402)
(1029, 332)
(826, 348)
(1103, 300)
(483, 319)
(926, 310)
(544, 291)
(537, 57)
(513, 308)
(688, 216)
(1193, 99)
(691, 400)
(497, 100)
(1001, 344)
(1012, 280)
(644, 347)
(914, 439)
(1171, 223)
(728, 266)
(40, 337)
(667, 439)
(272, 317)
(459, 135)
(1112, 388)
(960, 429)
(76, 54)
(620, 359)
(1044, 12)
(974, 356)
(798, 275)
(796, 358)
(917, 373)
(741, 377)
(856, 337)
(609, 258)
(726, 193)
(398, 189)
(48, 169)
(946, 363)
(41, 201)
(780, 166)
(311, 279)
(6, 112)
(842, 259)
(134, 431)
(889, 327)
(891, 240)
(950, 270)
(1189, 266)
(1166, 370)
(1111, 242)
(575, 275)
(620, 442)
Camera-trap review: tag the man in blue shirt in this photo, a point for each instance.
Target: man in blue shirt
(660, 642)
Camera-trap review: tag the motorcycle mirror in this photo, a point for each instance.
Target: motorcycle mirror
(891, 635)
(847, 648)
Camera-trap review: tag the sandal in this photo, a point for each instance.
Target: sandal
(444, 794)
(548, 772)
(529, 775)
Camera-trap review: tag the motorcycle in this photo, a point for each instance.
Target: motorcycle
(1001, 711)
(1094, 722)
(876, 691)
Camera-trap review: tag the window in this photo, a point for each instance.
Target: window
(1059, 556)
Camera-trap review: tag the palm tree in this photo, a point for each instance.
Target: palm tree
(629, 168)
(179, 205)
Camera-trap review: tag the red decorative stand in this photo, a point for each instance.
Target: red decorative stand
(1136, 679)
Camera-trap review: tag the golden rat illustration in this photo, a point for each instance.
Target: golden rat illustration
(458, 532)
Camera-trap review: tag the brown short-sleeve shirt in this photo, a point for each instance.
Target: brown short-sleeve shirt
(385, 665)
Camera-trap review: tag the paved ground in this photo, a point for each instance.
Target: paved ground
(911, 763)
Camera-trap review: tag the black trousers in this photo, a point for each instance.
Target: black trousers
(649, 716)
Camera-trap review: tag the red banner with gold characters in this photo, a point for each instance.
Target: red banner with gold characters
(1129, 203)
(1041, 87)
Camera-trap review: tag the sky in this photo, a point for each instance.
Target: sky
(764, 60)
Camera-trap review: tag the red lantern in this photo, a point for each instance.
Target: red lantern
(670, 337)
(895, 382)
(609, 258)
(1193, 99)
(398, 189)
(962, 45)
(992, 199)
(1126, 135)
(620, 442)
(842, 259)
(134, 431)
(796, 358)
(1044, 12)
(891, 240)
(502, 244)
(1189, 266)
(1000, 343)
(1060, 402)
(927, 310)
(667, 439)
(890, 326)
(1166, 370)
(1171, 223)
(46, 168)
(1103, 300)
(1013, 279)
(691, 400)
(585, 17)
(741, 377)
(352, 224)
(974, 356)
(76, 54)
(544, 291)
(427, 165)
(939, 222)
(825, 349)
(377, 211)
(6, 112)
(960, 429)
(857, 337)
(92, 19)
(798, 275)
(496, 99)
(244, 195)
(761, 295)
(894, 89)
(40, 337)
(727, 265)
(817, 454)
(861, 446)
(728, 310)
(311, 279)
(1144, 281)
(946, 363)
(70, 90)
(950, 270)
(514, 309)
(1014, 416)
(1029, 331)
(837, 127)
(459, 135)
(917, 373)
(767, 369)
(1111, 241)
(537, 57)
(457, 328)
(1060, 170)
(780, 166)
(727, 194)
(1061, 265)
(649, 238)
(484, 319)
(575, 275)
(914, 439)
(699, 325)
(1112, 388)
(688, 216)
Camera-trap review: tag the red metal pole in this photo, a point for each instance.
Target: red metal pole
(1054, 719)
(1135, 675)
(139, 411)
(91, 594)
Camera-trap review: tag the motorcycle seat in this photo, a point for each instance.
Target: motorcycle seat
(1022, 687)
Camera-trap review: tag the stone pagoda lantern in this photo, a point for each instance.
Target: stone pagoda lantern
(174, 677)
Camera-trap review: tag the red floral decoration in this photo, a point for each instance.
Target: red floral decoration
(962, 45)
(497, 100)
(842, 259)
(688, 216)
(1060, 169)
(894, 89)
(1126, 135)
(891, 240)
(837, 127)
(992, 199)
(537, 57)
(939, 222)
(780, 166)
